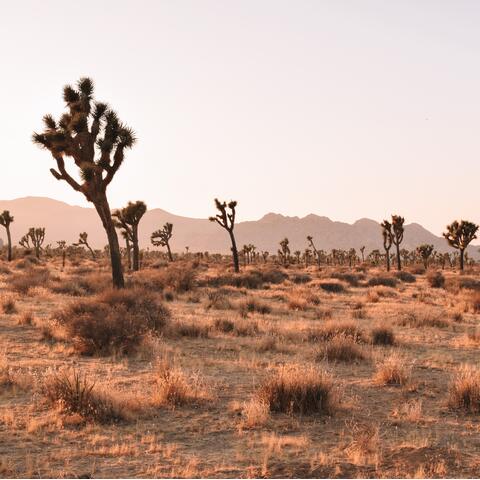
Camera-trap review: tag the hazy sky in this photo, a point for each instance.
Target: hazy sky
(347, 109)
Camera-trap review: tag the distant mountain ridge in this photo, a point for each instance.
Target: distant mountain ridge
(64, 222)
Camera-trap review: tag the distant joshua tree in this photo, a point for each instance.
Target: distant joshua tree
(265, 255)
(362, 251)
(387, 240)
(36, 236)
(161, 238)
(284, 251)
(83, 240)
(87, 128)
(459, 236)
(315, 251)
(425, 251)
(62, 246)
(227, 221)
(5, 220)
(297, 254)
(128, 219)
(398, 230)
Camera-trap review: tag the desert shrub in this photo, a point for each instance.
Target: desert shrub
(8, 304)
(333, 329)
(423, 318)
(255, 413)
(405, 277)
(392, 371)
(341, 348)
(351, 278)
(254, 279)
(417, 269)
(113, 322)
(79, 286)
(252, 305)
(34, 277)
(382, 280)
(245, 328)
(223, 325)
(475, 300)
(218, 300)
(4, 270)
(298, 389)
(27, 262)
(382, 336)
(300, 278)
(464, 390)
(332, 287)
(469, 283)
(74, 394)
(436, 279)
(6, 376)
(191, 330)
(179, 278)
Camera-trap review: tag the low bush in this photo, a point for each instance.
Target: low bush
(436, 279)
(34, 277)
(79, 286)
(384, 281)
(464, 390)
(300, 278)
(423, 318)
(114, 322)
(253, 279)
(252, 305)
(382, 336)
(333, 329)
(341, 348)
(223, 325)
(392, 371)
(469, 283)
(177, 277)
(332, 287)
(350, 278)
(405, 277)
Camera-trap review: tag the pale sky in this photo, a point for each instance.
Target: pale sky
(347, 109)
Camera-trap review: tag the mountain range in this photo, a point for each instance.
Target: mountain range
(64, 222)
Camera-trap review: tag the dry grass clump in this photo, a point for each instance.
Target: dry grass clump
(217, 299)
(113, 322)
(469, 283)
(79, 286)
(392, 371)
(436, 279)
(253, 279)
(252, 305)
(332, 287)
(423, 318)
(382, 336)
(26, 318)
(223, 325)
(255, 413)
(300, 300)
(332, 329)
(417, 269)
(475, 300)
(246, 328)
(300, 278)
(173, 387)
(178, 277)
(27, 262)
(341, 349)
(8, 304)
(351, 278)
(74, 394)
(298, 389)
(385, 281)
(191, 330)
(464, 390)
(6, 378)
(34, 277)
(405, 277)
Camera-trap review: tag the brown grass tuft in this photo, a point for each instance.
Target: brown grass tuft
(464, 390)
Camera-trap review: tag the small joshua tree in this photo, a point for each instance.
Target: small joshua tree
(398, 230)
(94, 137)
(83, 240)
(128, 219)
(284, 251)
(459, 235)
(362, 251)
(425, 251)
(315, 251)
(5, 220)
(36, 236)
(227, 221)
(387, 240)
(62, 246)
(161, 238)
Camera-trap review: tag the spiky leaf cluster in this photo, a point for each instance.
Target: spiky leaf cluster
(161, 237)
(460, 234)
(225, 219)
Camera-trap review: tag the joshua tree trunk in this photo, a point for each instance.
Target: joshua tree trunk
(399, 261)
(103, 210)
(129, 253)
(170, 256)
(136, 250)
(462, 256)
(234, 252)
(64, 253)
(9, 240)
(91, 252)
(388, 260)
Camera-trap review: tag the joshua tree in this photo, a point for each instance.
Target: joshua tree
(284, 251)
(315, 251)
(227, 221)
(83, 240)
(265, 255)
(62, 246)
(459, 235)
(94, 137)
(352, 257)
(307, 254)
(397, 225)
(387, 240)
(36, 236)
(161, 238)
(425, 251)
(128, 219)
(5, 220)
(362, 251)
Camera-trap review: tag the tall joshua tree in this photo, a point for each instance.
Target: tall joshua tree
(62, 246)
(83, 240)
(425, 251)
(92, 135)
(459, 235)
(387, 240)
(362, 251)
(315, 251)
(5, 220)
(227, 221)
(161, 238)
(128, 218)
(398, 230)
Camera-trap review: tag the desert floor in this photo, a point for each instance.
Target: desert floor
(188, 396)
